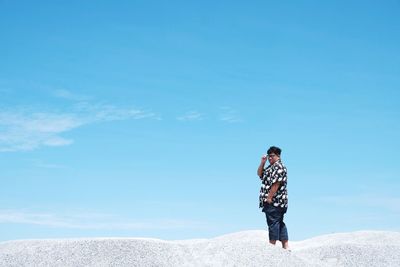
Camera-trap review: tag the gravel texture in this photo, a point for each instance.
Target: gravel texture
(248, 248)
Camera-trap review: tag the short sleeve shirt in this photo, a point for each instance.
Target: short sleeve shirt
(274, 173)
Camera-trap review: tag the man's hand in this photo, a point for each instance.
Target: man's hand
(272, 192)
(264, 159)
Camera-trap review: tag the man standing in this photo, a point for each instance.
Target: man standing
(273, 195)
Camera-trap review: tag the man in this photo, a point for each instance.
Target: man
(273, 195)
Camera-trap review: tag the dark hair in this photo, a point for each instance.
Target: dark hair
(274, 149)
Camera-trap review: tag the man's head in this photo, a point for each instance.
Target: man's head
(274, 154)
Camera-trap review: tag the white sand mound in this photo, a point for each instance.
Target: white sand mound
(249, 248)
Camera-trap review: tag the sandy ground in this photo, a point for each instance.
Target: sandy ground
(248, 248)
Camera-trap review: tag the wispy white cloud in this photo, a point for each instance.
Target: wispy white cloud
(390, 203)
(93, 221)
(26, 129)
(45, 165)
(66, 94)
(191, 116)
(227, 114)
(105, 112)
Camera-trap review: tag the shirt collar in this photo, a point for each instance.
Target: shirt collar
(278, 161)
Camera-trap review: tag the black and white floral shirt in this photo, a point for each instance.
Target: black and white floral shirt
(274, 173)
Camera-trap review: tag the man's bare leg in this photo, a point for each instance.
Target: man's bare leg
(285, 244)
(273, 242)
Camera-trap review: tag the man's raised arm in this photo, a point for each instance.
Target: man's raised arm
(260, 169)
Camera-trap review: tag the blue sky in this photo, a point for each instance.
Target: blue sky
(149, 118)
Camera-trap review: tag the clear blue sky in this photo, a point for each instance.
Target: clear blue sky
(149, 118)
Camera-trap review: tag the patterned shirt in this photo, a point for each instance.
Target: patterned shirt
(274, 173)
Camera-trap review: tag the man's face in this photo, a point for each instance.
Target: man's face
(272, 158)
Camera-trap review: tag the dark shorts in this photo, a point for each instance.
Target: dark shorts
(276, 227)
